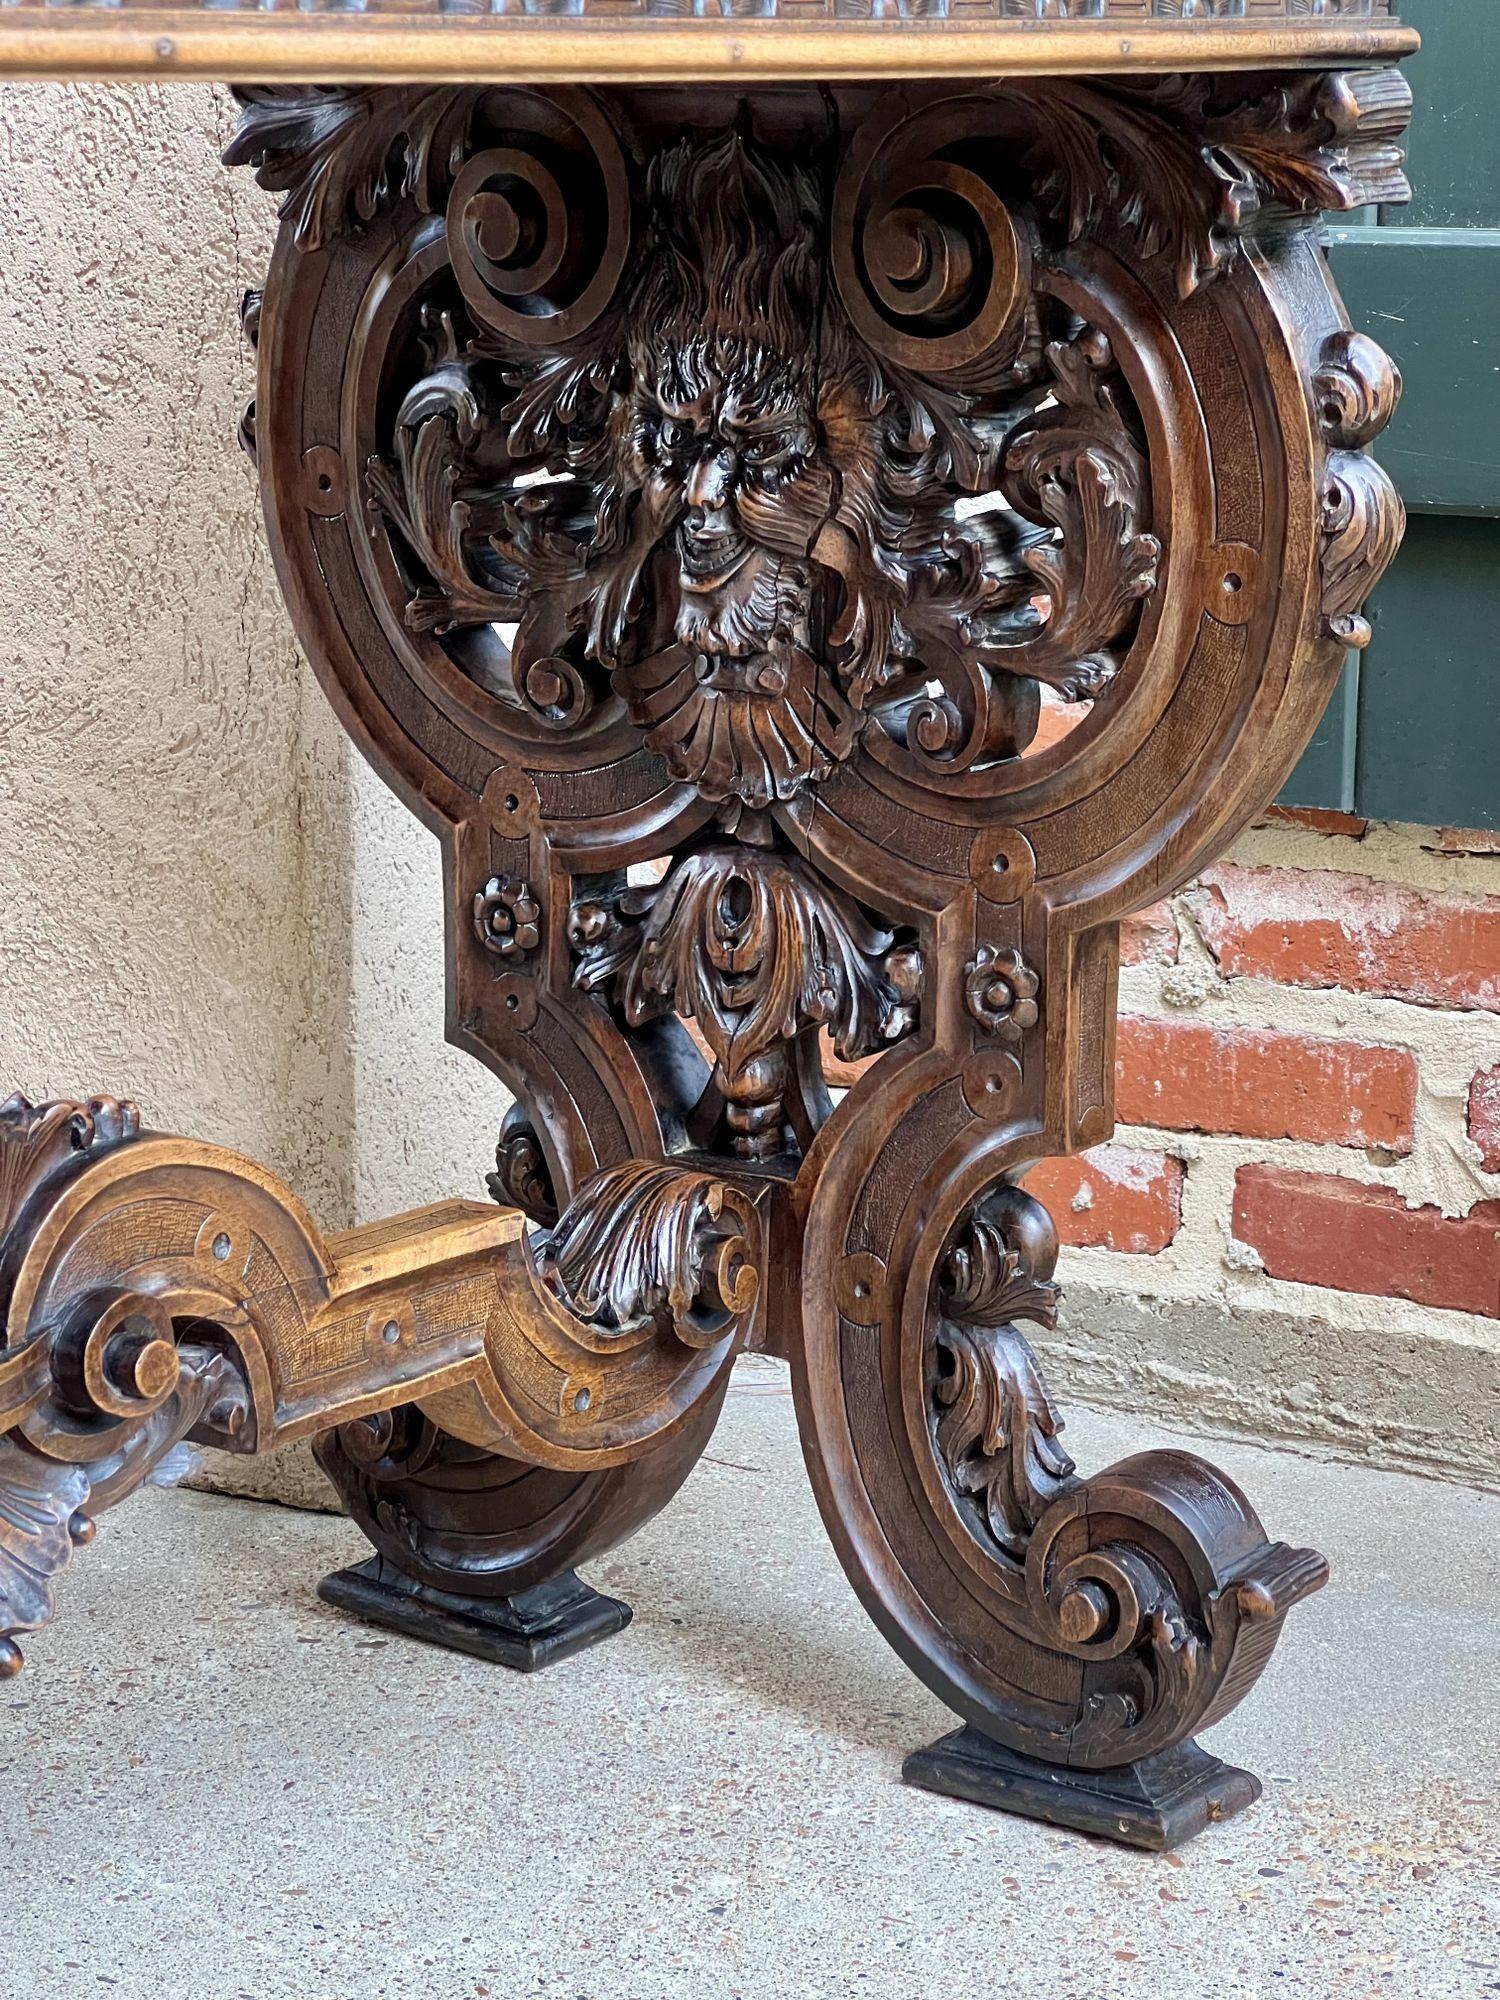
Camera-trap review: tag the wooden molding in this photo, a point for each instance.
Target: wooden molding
(146, 41)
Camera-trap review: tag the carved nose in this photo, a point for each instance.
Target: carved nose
(712, 479)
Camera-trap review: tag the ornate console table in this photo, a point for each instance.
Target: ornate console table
(817, 555)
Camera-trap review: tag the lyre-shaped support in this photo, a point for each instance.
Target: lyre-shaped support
(697, 524)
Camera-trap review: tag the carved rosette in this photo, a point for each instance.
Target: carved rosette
(507, 917)
(1000, 990)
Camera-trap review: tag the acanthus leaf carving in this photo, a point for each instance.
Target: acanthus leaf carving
(1078, 469)
(1186, 164)
(338, 152)
(1155, 1575)
(756, 947)
(654, 1242)
(38, 1141)
(994, 1425)
(41, 1519)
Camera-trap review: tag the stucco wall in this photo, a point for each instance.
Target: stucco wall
(205, 898)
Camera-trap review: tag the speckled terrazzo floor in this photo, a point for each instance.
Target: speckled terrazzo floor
(214, 1788)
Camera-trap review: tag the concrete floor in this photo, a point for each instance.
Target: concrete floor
(216, 1789)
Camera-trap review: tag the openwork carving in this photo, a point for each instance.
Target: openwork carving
(754, 535)
(829, 546)
(699, 510)
(756, 948)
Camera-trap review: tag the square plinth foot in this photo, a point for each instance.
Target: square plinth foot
(1158, 1803)
(526, 1631)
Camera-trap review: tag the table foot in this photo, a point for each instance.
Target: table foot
(1157, 1803)
(528, 1630)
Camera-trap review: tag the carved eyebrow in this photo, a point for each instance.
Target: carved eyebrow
(756, 423)
(693, 411)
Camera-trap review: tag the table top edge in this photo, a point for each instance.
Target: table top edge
(148, 43)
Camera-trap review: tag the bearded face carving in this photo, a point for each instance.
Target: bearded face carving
(724, 505)
(725, 425)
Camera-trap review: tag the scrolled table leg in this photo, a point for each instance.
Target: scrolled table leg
(696, 512)
(500, 1417)
(1084, 1627)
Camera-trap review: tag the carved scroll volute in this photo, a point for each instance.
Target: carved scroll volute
(1356, 388)
(621, 1323)
(932, 266)
(539, 227)
(1145, 1599)
(653, 1246)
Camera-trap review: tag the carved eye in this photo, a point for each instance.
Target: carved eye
(674, 434)
(774, 448)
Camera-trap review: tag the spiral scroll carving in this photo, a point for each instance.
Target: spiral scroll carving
(1155, 1577)
(932, 267)
(539, 226)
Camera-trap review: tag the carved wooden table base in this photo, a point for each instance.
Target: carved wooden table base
(817, 559)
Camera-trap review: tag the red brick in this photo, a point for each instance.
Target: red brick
(1321, 1230)
(1318, 819)
(1114, 1198)
(1331, 929)
(1058, 719)
(1484, 1117)
(1258, 1084)
(1479, 841)
(1149, 938)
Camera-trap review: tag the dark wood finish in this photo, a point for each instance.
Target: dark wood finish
(690, 505)
(527, 1630)
(1157, 1803)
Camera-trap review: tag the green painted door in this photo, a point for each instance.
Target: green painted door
(1414, 732)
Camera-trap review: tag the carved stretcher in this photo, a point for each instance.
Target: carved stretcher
(817, 558)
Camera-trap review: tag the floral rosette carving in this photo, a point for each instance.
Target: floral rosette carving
(507, 917)
(1000, 990)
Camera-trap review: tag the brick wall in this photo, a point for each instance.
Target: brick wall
(1297, 1226)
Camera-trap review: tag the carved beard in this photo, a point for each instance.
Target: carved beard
(765, 602)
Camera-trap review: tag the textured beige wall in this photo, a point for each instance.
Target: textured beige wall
(205, 899)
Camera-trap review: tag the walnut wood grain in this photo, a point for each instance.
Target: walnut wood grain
(691, 503)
